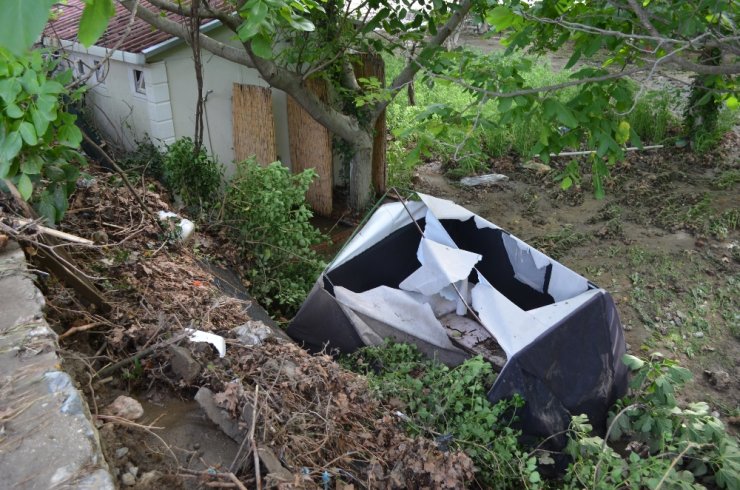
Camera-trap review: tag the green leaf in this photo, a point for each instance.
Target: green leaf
(502, 18)
(25, 187)
(262, 46)
(28, 133)
(566, 184)
(9, 90)
(69, 135)
(732, 102)
(301, 24)
(10, 145)
(13, 111)
(632, 362)
(47, 106)
(32, 165)
(46, 208)
(561, 112)
(21, 23)
(94, 20)
(40, 123)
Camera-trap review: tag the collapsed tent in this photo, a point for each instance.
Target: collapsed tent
(432, 273)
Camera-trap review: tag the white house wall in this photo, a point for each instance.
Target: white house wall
(118, 111)
(219, 76)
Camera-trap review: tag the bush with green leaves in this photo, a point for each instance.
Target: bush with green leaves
(195, 177)
(669, 445)
(265, 209)
(652, 440)
(146, 159)
(451, 404)
(38, 138)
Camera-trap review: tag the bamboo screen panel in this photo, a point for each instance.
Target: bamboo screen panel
(253, 123)
(310, 147)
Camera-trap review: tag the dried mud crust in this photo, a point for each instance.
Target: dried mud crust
(314, 416)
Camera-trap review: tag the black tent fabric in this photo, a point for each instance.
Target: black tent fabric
(562, 335)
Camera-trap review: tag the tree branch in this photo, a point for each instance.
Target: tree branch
(413, 66)
(642, 15)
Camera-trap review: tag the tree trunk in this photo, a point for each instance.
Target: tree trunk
(360, 175)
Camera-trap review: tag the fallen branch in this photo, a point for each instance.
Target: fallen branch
(81, 328)
(142, 353)
(215, 474)
(52, 232)
(591, 152)
(257, 476)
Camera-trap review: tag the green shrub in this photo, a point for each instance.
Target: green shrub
(147, 159)
(196, 178)
(266, 210)
(452, 403)
(670, 445)
(38, 136)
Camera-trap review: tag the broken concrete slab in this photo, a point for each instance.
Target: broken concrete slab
(49, 439)
(219, 416)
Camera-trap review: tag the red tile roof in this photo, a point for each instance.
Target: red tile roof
(66, 19)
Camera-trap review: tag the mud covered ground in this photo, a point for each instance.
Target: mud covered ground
(664, 242)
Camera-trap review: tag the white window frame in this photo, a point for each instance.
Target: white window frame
(139, 81)
(100, 72)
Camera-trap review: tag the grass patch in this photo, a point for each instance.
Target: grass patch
(559, 243)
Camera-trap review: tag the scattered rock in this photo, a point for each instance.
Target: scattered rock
(252, 333)
(699, 335)
(121, 452)
(149, 478)
(125, 407)
(183, 363)
(128, 479)
(272, 463)
(719, 379)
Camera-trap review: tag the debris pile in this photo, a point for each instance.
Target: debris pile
(302, 418)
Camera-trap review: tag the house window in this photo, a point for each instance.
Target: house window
(139, 82)
(80, 67)
(100, 72)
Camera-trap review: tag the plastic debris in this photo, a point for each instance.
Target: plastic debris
(215, 340)
(487, 179)
(184, 225)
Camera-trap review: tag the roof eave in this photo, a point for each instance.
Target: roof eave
(97, 51)
(176, 41)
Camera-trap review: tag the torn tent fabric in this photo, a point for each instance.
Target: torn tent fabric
(415, 263)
